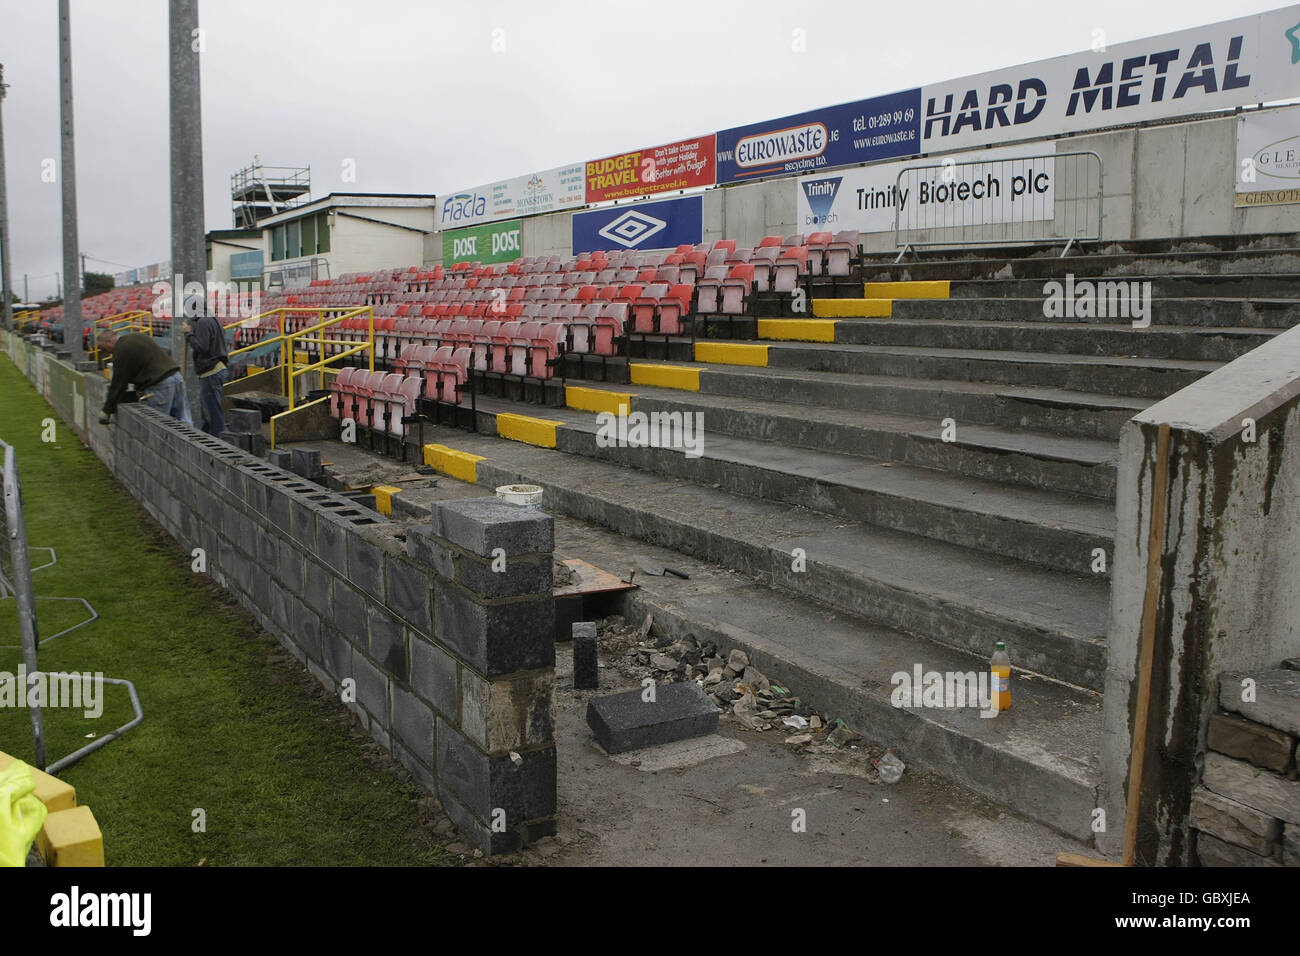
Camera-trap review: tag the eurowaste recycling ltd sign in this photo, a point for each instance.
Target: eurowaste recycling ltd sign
(498, 242)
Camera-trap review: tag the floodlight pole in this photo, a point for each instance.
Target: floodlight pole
(189, 256)
(68, 172)
(6, 285)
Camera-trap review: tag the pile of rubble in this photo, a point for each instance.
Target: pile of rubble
(734, 684)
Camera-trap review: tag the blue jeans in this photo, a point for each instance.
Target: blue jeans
(168, 396)
(214, 419)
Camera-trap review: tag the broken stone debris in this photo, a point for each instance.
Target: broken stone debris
(732, 681)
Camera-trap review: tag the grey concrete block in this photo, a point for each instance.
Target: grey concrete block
(525, 791)
(365, 565)
(306, 462)
(318, 588)
(277, 509)
(280, 458)
(305, 628)
(268, 551)
(586, 675)
(408, 591)
(413, 723)
(433, 677)
(372, 686)
(279, 606)
(303, 517)
(336, 652)
(480, 525)
(1247, 740)
(628, 722)
(331, 543)
(290, 565)
(244, 420)
(495, 638)
(421, 771)
(1276, 693)
(531, 574)
(431, 552)
(388, 642)
(350, 612)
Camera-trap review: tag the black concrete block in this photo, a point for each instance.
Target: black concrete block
(408, 592)
(306, 462)
(256, 445)
(495, 638)
(480, 525)
(365, 565)
(585, 676)
(433, 677)
(281, 458)
(431, 552)
(628, 722)
(245, 420)
(388, 642)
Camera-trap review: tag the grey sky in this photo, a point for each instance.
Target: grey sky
(413, 92)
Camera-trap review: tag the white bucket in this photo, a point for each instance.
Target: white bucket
(527, 495)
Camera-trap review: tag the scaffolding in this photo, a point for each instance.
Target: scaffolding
(258, 192)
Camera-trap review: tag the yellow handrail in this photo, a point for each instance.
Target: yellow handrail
(313, 335)
(136, 320)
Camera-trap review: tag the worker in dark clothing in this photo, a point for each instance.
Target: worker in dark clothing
(208, 343)
(138, 361)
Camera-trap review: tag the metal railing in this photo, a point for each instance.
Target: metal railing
(1039, 200)
(137, 320)
(310, 337)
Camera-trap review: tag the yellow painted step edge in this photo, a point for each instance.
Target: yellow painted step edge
(51, 791)
(384, 498)
(797, 330)
(449, 461)
(916, 289)
(527, 429)
(729, 353)
(665, 376)
(71, 838)
(595, 399)
(853, 308)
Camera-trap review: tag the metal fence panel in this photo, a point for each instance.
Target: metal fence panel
(1049, 198)
(16, 579)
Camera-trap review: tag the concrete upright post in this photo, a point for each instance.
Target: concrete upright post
(189, 257)
(68, 172)
(6, 286)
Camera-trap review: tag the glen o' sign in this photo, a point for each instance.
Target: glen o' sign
(1268, 158)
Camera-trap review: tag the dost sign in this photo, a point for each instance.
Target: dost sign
(498, 242)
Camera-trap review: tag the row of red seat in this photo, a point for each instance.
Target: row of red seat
(377, 400)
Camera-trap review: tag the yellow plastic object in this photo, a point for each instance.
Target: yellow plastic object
(71, 838)
(21, 813)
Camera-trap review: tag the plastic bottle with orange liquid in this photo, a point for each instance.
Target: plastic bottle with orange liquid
(1000, 668)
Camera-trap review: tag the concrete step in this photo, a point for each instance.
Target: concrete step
(1245, 286)
(933, 589)
(1141, 265)
(1224, 243)
(1048, 528)
(987, 331)
(1040, 758)
(1012, 455)
(1118, 375)
(1081, 413)
(1258, 318)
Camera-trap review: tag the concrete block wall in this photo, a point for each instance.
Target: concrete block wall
(448, 662)
(1246, 811)
(442, 644)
